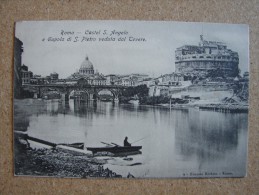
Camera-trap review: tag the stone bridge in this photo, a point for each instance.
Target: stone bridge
(79, 90)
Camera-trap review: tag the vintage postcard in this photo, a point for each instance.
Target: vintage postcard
(130, 99)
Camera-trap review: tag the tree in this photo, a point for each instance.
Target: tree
(141, 91)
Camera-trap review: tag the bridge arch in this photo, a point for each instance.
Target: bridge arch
(79, 94)
(114, 93)
(46, 91)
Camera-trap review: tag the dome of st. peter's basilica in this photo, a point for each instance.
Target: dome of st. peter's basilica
(86, 67)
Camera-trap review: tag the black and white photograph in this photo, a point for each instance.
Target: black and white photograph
(130, 99)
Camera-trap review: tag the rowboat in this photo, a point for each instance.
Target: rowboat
(74, 145)
(115, 149)
(78, 145)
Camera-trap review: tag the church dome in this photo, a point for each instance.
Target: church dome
(86, 67)
(86, 64)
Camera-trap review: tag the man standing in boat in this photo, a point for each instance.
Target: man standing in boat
(126, 143)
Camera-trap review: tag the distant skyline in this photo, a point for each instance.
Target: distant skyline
(154, 57)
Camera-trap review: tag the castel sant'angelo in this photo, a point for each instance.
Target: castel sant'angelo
(207, 56)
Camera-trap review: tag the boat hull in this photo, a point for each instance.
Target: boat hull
(75, 145)
(115, 149)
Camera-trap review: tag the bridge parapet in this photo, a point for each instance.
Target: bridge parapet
(75, 85)
(66, 89)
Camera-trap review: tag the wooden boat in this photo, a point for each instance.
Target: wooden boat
(115, 149)
(75, 145)
(78, 145)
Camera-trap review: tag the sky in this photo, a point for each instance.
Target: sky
(154, 56)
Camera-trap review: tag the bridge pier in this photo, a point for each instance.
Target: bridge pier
(116, 99)
(65, 97)
(39, 93)
(35, 95)
(91, 96)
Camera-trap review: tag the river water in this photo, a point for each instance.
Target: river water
(177, 143)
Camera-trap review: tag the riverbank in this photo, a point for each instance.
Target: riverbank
(217, 107)
(220, 103)
(211, 106)
(57, 163)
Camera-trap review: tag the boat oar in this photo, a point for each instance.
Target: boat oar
(115, 144)
(106, 144)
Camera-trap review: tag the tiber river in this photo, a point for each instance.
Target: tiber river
(177, 143)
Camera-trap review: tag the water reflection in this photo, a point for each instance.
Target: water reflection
(176, 139)
(23, 109)
(207, 135)
(210, 137)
